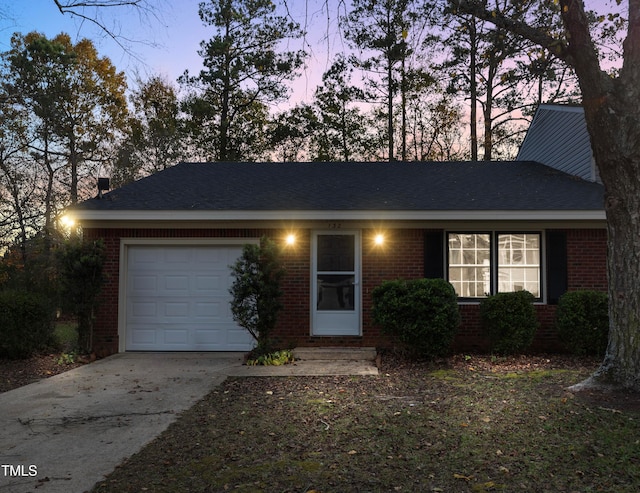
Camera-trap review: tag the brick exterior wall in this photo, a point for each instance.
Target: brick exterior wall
(586, 269)
(402, 256)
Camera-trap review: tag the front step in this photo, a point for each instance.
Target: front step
(335, 353)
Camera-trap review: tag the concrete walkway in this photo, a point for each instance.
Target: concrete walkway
(65, 433)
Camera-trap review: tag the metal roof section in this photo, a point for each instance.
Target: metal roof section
(558, 137)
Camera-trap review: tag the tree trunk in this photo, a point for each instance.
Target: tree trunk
(473, 90)
(403, 89)
(48, 200)
(616, 145)
(611, 107)
(73, 161)
(390, 108)
(488, 110)
(343, 133)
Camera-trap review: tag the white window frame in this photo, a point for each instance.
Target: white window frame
(493, 283)
(527, 270)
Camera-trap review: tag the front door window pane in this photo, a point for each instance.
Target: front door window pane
(336, 253)
(335, 292)
(469, 264)
(519, 263)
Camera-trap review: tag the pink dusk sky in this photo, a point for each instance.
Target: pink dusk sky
(168, 45)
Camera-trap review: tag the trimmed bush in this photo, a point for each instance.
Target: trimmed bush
(256, 292)
(422, 314)
(26, 323)
(510, 321)
(582, 322)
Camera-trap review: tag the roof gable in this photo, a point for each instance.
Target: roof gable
(558, 137)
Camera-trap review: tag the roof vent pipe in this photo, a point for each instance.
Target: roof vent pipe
(103, 185)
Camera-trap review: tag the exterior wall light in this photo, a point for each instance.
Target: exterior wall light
(67, 221)
(378, 239)
(290, 240)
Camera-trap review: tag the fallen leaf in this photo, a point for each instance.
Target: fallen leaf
(352, 452)
(462, 476)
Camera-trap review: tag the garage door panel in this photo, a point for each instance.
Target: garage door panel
(141, 256)
(210, 336)
(177, 299)
(176, 284)
(177, 256)
(144, 284)
(174, 309)
(237, 338)
(176, 336)
(208, 309)
(209, 284)
(144, 310)
(145, 336)
(214, 257)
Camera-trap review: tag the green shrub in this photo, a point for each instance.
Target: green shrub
(26, 323)
(82, 277)
(276, 358)
(510, 321)
(256, 292)
(582, 322)
(422, 314)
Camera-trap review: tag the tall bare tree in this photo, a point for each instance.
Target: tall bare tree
(611, 104)
(20, 200)
(494, 70)
(343, 133)
(380, 30)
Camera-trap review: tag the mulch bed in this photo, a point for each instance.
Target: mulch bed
(16, 373)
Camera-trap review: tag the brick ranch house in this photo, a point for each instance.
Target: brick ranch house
(486, 227)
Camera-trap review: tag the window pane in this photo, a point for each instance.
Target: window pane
(469, 264)
(519, 263)
(335, 292)
(336, 253)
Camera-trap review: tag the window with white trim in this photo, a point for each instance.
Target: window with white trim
(481, 264)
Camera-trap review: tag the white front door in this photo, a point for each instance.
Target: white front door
(335, 283)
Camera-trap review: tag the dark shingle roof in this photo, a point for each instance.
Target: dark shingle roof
(437, 186)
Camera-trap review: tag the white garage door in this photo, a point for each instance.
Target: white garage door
(177, 299)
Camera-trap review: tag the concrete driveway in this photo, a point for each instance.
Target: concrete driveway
(65, 433)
